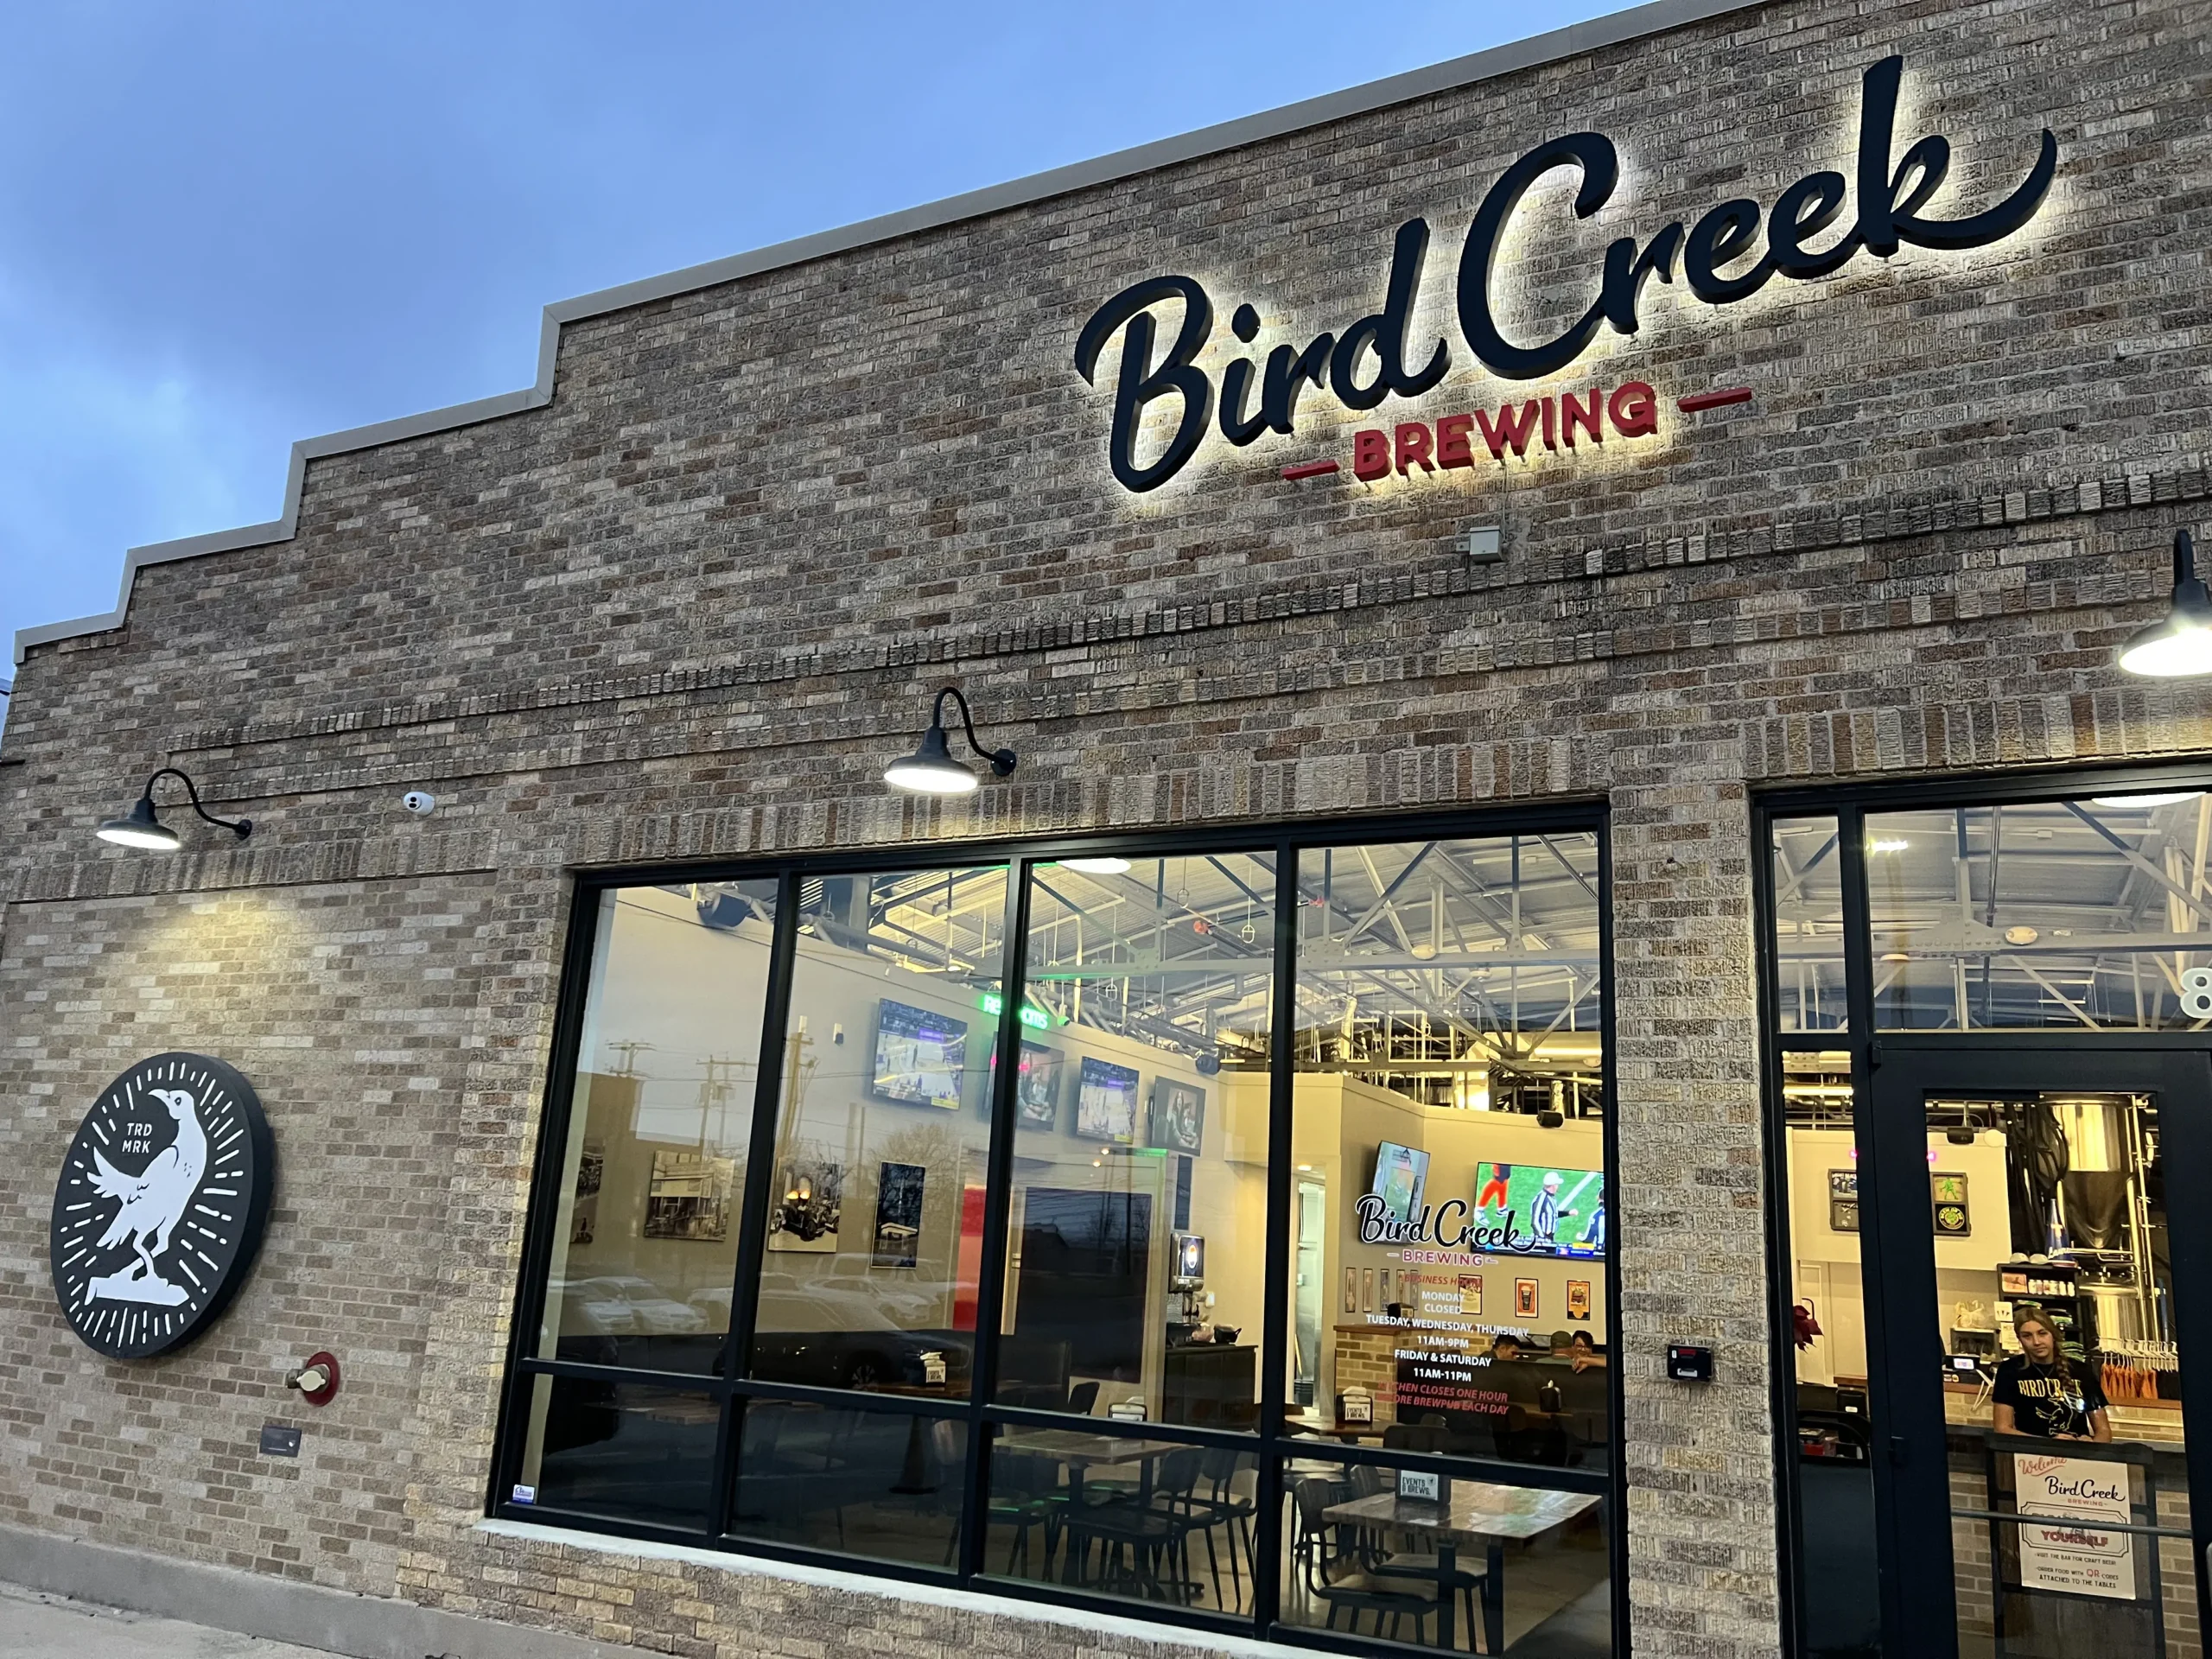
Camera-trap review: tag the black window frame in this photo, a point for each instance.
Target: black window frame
(1849, 805)
(1282, 839)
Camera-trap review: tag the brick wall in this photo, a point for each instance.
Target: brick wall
(688, 609)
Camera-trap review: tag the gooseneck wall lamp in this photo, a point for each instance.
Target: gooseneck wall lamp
(930, 769)
(2182, 644)
(141, 826)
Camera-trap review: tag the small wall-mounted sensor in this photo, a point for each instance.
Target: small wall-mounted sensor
(837, 1034)
(1482, 543)
(420, 802)
(1688, 1364)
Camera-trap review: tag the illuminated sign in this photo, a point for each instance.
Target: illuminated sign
(1029, 1013)
(1261, 395)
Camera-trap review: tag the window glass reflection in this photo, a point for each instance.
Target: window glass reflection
(875, 1212)
(2092, 913)
(626, 1450)
(645, 1247)
(1443, 1561)
(882, 1484)
(1450, 1213)
(1121, 1514)
(1807, 926)
(1137, 1252)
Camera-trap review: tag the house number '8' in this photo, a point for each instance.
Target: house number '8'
(2196, 993)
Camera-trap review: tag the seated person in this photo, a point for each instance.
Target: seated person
(1584, 1352)
(1504, 1345)
(2039, 1392)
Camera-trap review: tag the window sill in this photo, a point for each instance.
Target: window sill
(893, 1590)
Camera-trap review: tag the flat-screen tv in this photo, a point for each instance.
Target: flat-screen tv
(1036, 1089)
(1106, 1102)
(1542, 1210)
(919, 1055)
(1401, 1178)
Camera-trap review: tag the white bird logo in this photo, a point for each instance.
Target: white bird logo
(154, 1200)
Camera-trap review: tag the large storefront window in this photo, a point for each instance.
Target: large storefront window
(1450, 1134)
(646, 1237)
(1136, 1262)
(1022, 1222)
(874, 1224)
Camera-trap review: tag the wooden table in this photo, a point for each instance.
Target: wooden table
(1076, 1452)
(1480, 1513)
(1352, 1433)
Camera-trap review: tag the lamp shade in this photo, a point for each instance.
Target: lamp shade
(2180, 644)
(931, 770)
(140, 828)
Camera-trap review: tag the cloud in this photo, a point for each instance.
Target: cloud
(103, 444)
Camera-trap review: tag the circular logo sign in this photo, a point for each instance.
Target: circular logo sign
(161, 1205)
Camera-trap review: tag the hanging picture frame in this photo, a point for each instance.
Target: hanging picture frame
(898, 1215)
(688, 1196)
(1954, 1219)
(1178, 1114)
(1843, 1200)
(808, 1207)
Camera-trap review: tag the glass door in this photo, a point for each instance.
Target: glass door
(2037, 1217)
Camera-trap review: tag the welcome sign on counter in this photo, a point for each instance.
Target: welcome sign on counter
(2077, 1559)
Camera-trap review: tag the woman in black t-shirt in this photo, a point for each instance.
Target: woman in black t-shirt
(2038, 1393)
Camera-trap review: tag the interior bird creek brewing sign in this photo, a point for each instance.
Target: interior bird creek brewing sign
(1374, 357)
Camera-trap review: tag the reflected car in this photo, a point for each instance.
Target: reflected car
(842, 1341)
(621, 1304)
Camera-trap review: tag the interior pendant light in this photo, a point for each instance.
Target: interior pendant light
(2182, 644)
(931, 770)
(142, 827)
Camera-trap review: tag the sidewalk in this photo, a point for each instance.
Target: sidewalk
(33, 1622)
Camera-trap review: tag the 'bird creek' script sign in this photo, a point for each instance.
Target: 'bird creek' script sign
(1374, 357)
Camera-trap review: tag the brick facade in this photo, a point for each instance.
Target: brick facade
(688, 608)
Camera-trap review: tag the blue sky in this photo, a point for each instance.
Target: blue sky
(226, 227)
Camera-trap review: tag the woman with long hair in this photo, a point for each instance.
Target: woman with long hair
(2039, 1393)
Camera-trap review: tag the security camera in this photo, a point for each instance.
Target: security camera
(420, 802)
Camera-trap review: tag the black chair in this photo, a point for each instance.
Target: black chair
(1223, 1508)
(1023, 1494)
(1134, 1538)
(1083, 1399)
(1174, 1494)
(1423, 1565)
(1356, 1593)
(1414, 1437)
